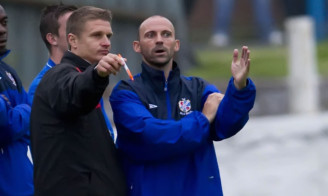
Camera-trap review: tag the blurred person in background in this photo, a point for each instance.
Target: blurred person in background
(294, 7)
(16, 169)
(72, 150)
(166, 122)
(223, 12)
(317, 9)
(188, 6)
(53, 33)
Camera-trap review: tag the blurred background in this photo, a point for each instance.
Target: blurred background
(282, 149)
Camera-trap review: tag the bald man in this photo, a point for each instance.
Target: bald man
(166, 122)
(16, 169)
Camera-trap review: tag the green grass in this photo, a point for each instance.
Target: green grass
(322, 51)
(266, 62)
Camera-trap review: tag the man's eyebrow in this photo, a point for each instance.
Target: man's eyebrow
(150, 31)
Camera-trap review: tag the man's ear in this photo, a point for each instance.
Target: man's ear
(52, 39)
(136, 46)
(177, 45)
(72, 41)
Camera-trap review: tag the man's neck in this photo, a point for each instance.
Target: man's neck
(3, 51)
(166, 69)
(56, 56)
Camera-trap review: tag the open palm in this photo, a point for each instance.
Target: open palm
(240, 68)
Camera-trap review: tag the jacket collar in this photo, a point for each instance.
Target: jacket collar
(75, 60)
(3, 55)
(50, 63)
(157, 77)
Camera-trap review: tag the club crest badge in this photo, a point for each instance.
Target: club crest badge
(11, 78)
(184, 106)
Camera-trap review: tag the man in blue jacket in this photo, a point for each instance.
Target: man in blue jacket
(167, 122)
(16, 169)
(53, 33)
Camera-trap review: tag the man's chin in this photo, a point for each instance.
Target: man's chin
(2, 48)
(159, 64)
(161, 60)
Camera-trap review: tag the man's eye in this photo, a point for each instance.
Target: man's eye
(97, 35)
(149, 35)
(167, 34)
(4, 22)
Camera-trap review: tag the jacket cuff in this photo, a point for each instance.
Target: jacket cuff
(249, 85)
(97, 78)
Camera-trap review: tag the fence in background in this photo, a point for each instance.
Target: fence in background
(29, 54)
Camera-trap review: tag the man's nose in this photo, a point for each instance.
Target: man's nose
(2, 29)
(106, 41)
(159, 39)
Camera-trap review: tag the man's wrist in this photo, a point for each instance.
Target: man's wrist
(240, 85)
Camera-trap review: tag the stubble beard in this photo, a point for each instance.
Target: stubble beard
(158, 63)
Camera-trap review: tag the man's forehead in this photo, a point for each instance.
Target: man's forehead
(97, 22)
(98, 25)
(2, 12)
(156, 23)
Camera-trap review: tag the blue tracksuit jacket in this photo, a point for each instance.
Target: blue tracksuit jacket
(16, 170)
(37, 80)
(166, 143)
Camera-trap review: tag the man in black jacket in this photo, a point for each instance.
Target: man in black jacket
(72, 149)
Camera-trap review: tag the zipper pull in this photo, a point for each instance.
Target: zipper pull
(165, 87)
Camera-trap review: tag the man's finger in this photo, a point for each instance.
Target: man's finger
(235, 56)
(248, 65)
(243, 52)
(246, 56)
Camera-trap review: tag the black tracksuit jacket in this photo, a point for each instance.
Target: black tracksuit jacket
(72, 149)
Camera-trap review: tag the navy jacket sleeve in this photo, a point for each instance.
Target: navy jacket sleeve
(14, 120)
(143, 137)
(233, 110)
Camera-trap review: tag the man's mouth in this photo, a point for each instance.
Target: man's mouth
(3, 39)
(104, 52)
(160, 51)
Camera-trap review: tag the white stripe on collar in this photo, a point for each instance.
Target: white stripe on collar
(49, 65)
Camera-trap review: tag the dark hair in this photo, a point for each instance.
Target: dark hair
(49, 19)
(77, 20)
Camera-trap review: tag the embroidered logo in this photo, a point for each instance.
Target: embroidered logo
(11, 78)
(152, 106)
(185, 106)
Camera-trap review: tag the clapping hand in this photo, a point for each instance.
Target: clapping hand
(211, 105)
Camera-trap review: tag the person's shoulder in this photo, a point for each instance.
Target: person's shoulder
(54, 73)
(135, 85)
(194, 79)
(124, 85)
(7, 67)
(61, 67)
